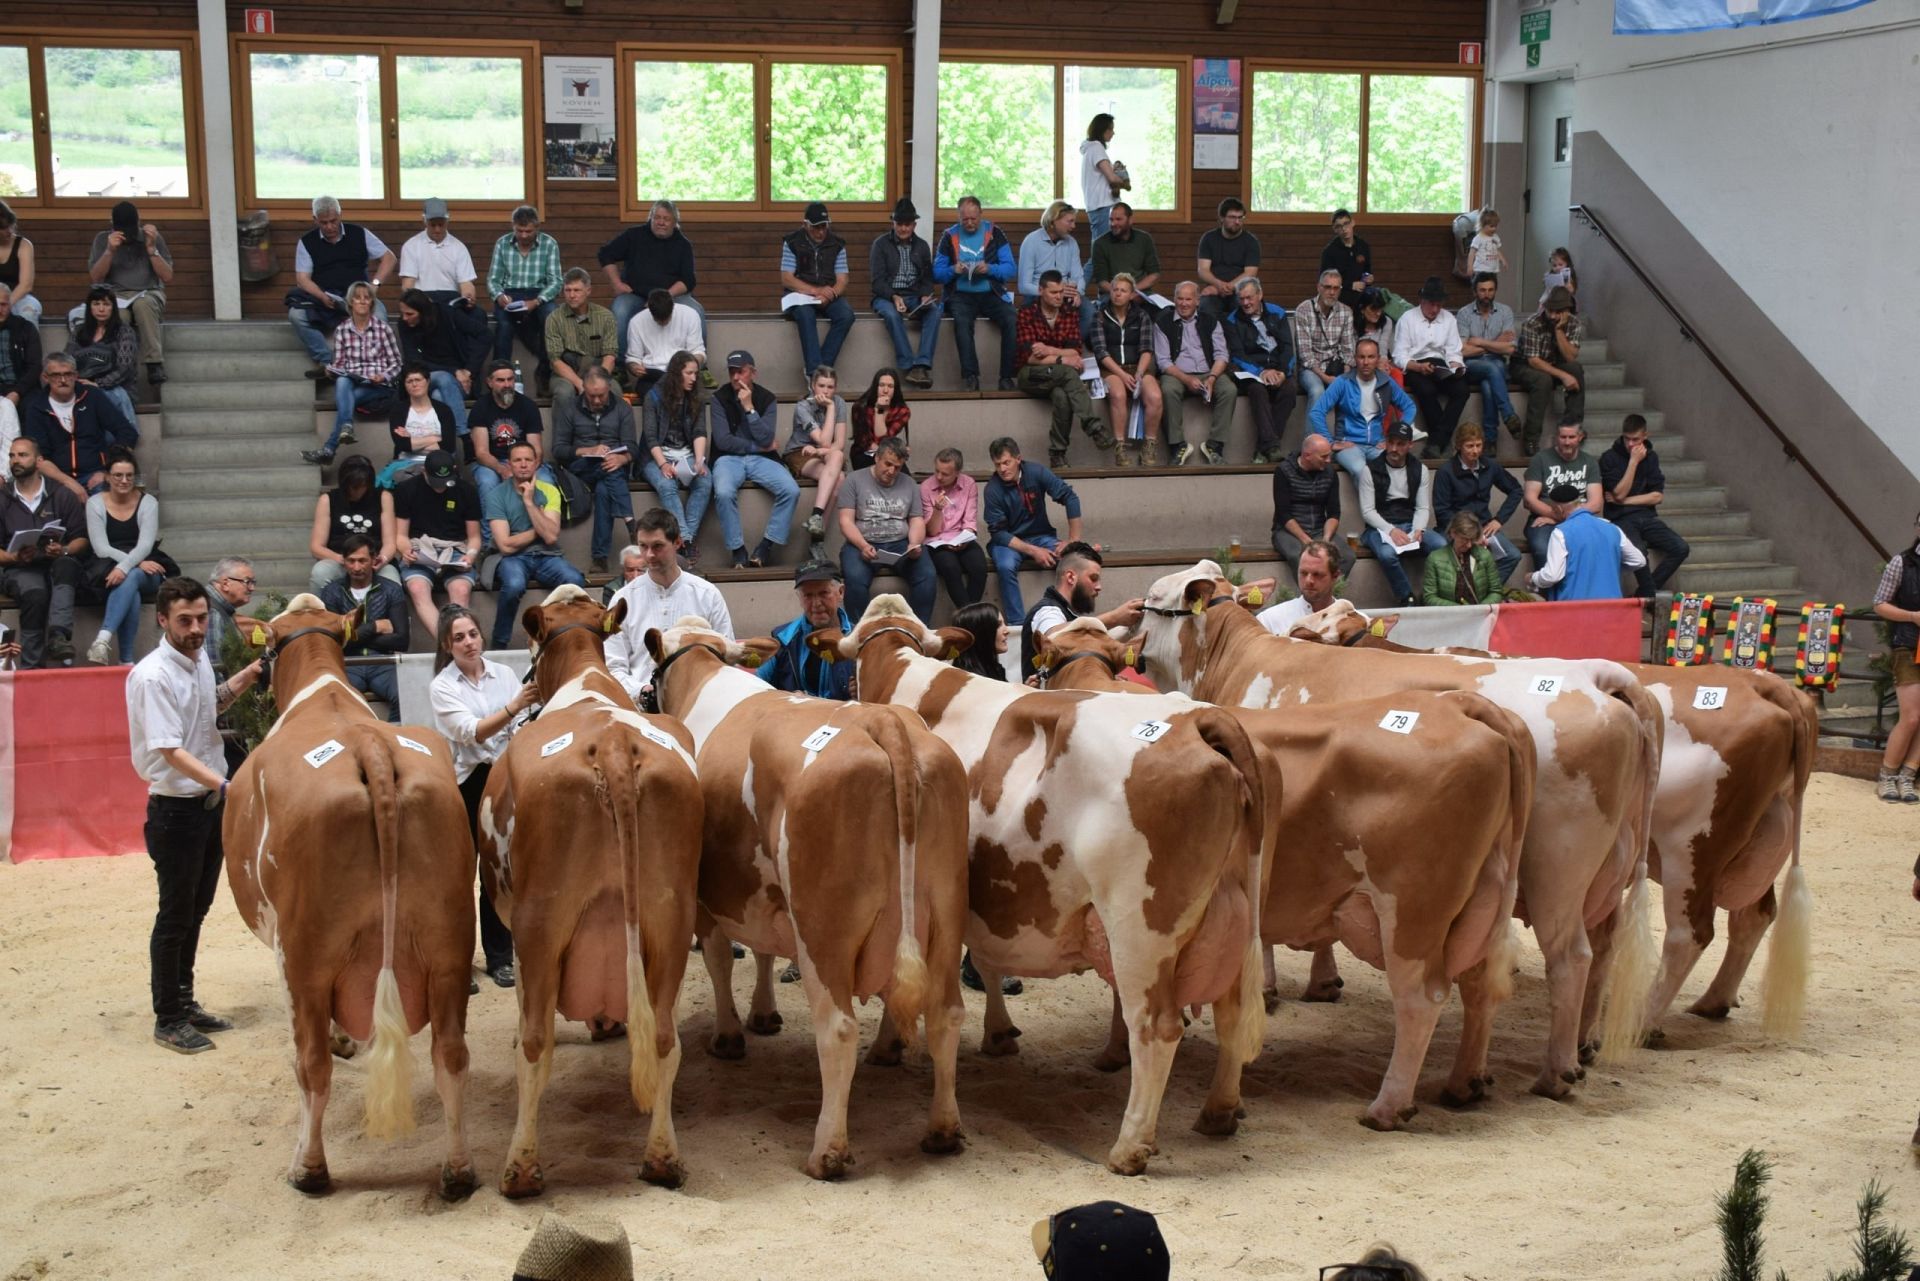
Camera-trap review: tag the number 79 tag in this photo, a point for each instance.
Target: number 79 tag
(1400, 722)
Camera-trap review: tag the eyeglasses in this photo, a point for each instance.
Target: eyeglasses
(248, 583)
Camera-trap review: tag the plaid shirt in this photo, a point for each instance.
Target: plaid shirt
(1536, 338)
(1030, 327)
(511, 269)
(1320, 339)
(1889, 580)
(592, 335)
(368, 353)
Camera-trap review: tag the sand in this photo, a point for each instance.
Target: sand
(126, 1161)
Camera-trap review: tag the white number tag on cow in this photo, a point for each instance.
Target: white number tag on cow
(408, 743)
(1545, 686)
(1709, 698)
(560, 744)
(1151, 731)
(655, 737)
(1400, 722)
(818, 740)
(325, 752)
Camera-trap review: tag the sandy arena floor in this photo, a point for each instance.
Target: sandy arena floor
(126, 1161)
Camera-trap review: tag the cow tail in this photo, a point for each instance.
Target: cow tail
(1783, 992)
(1522, 767)
(1635, 958)
(389, 1098)
(619, 782)
(1225, 735)
(907, 993)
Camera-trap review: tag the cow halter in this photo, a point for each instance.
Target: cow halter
(660, 669)
(878, 632)
(274, 649)
(1164, 612)
(1054, 668)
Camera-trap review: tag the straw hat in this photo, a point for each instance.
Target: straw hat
(576, 1250)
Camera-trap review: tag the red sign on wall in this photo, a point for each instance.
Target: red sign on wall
(1470, 52)
(259, 22)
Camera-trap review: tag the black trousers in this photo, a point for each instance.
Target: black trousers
(496, 940)
(183, 840)
(963, 572)
(1272, 408)
(1649, 533)
(1441, 397)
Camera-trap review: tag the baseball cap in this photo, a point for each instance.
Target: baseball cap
(433, 207)
(438, 469)
(1104, 1240)
(1564, 493)
(816, 214)
(740, 359)
(1400, 431)
(816, 571)
(1559, 298)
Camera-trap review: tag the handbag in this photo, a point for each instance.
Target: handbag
(91, 364)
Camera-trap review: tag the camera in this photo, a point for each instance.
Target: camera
(1336, 367)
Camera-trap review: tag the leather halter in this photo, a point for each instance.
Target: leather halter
(878, 632)
(1182, 613)
(273, 650)
(660, 668)
(1113, 668)
(546, 642)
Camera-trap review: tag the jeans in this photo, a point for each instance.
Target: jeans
(530, 325)
(965, 308)
(380, 683)
(183, 840)
(1006, 565)
(510, 577)
(446, 390)
(1539, 541)
(807, 317)
(45, 590)
(1272, 410)
(1441, 397)
(1645, 530)
(316, 324)
(325, 572)
(917, 570)
(731, 471)
(1311, 386)
(1287, 548)
(1063, 386)
(1173, 399)
(666, 488)
(1506, 556)
(1099, 223)
(1430, 541)
(496, 941)
(1354, 459)
(123, 609)
(348, 396)
(1539, 388)
(626, 306)
(962, 571)
(610, 499)
(119, 396)
(929, 322)
(27, 307)
(1489, 374)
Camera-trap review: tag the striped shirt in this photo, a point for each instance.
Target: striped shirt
(365, 353)
(539, 269)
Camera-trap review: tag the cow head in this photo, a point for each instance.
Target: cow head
(568, 610)
(690, 635)
(1084, 640)
(303, 617)
(889, 615)
(1341, 624)
(1173, 631)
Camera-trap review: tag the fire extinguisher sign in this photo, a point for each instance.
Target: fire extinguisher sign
(259, 22)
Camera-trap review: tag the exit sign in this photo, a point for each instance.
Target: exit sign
(1536, 27)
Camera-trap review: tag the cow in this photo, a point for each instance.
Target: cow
(348, 854)
(1412, 880)
(1726, 819)
(590, 851)
(1122, 835)
(834, 834)
(1597, 739)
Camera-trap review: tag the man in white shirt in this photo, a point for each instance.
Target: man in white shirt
(1426, 349)
(172, 703)
(1314, 574)
(434, 261)
(655, 333)
(661, 597)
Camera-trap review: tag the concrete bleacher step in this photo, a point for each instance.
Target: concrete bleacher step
(250, 450)
(292, 422)
(227, 336)
(1738, 579)
(283, 393)
(207, 542)
(295, 479)
(241, 365)
(1702, 524)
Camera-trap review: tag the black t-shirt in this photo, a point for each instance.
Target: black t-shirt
(507, 427)
(1352, 262)
(1230, 258)
(648, 261)
(345, 518)
(436, 514)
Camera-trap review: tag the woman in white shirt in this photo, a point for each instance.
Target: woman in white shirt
(474, 701)
(420, 424)
(1101, 180)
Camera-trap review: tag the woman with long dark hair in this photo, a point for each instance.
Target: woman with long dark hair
(428, 338)
(674, 444)
(1898, 601)
(126, 565)
(1102, 178)
(878, 415)
(105, 349)
(989, 630)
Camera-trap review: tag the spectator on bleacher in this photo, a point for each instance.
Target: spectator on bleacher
(9, 425)
(1048, 356)
(745, 419)
(1561, 463)
(1074, 594)
(658, 595)
(435, 261)
(1358, 401)
(1306, 502)
(431, 337)
(364, 364)
(385, 628)
(123, 535)
(1426, 350)
(1102, 179)
(417, 423)
(904, 291)
(1017, 524)
(524, 278)
(1372, 321)
(355, 506)
(950, 499)
(74, 427)
(105, 350)
(817, 445)
(1123, 248)
(132, 259)
(1323, 331)
(581, 336)
(1548, 355)
(1584, 552)
(880, 414)
(1896, 601)
(1488, 339)
(1260, 344)
(1560, 273)
(1351, 256)
(1190, 349)
(1465, 573)
(1228, 253)
(975, 262)
(436, 530)
(654, 255)
(501, 419)
(1465, 483)
(523, 516)
(674, 444)
(1484, 256)
(1396, 502)
(42, 578)
(231, 585)
(334, 255)
(880, 515)
(16, 269)
(795, 667)
(19, 352)
(1051, 247)
(632, 563)
(1315, 575)
(657, 332)
(813, 264)
(1122, 340)
(594, 438)
(1633, 486)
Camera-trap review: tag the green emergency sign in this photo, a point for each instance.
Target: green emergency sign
(1536, 27)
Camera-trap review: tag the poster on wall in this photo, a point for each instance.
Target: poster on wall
(579, 120)
(1216, 113)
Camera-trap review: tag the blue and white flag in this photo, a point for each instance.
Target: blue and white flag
(1676, 17)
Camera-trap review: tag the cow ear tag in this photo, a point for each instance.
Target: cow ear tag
(1255, 596)
(348, 637)
(1199, 608)
(1378, 627)
(953, 652)
(259, 637)
(606, 623)
(1127, 658)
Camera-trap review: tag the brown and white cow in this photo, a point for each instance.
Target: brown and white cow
(1411, 879)
(1597, 738)
(834, 834)
(348, 854)
(1122, 835)
(590, 851)
(1726, 820)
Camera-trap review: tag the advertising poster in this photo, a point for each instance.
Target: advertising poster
(579, 120)
(1216, 113)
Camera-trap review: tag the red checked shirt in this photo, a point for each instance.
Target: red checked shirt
(1030, 327)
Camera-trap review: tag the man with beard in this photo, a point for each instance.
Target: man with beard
(43, 575)
(1075, 591)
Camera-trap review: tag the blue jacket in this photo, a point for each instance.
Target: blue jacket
(1343, 399)
(1020, 510)
(98, 425)
(1001, 268)
(1243, 344)
(798, 670)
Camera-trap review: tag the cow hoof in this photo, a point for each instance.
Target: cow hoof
(767, 1024)
(457, 1185)
(1453, 1098)
(943, 1142)
(1715, 1010)
(663, 1172)
(1001, 1044)
(342, 1045)
(830, 1165)
(517, 1182)
(1589, 1051)
(888, 1054)
(1653, 1039)
(1326, 990)
(1270, 997)
(1131, 1162)
(727, 1045)
(312, 1182)
(1217, 1123)
(1554, 1087)
(1916, 1136)
(1108, 1061)
(1380, 1124)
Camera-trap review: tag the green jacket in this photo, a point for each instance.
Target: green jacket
(1441, 583)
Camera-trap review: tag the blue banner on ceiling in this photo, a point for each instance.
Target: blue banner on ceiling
(1675, 17)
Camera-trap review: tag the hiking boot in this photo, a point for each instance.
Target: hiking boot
(204, 1020)
(599, 565)
(920, 376)
(59, 649)
(1056, 461)
(318, 457)
(1122, 458)
(1150, 452)
(817, 525)
(1904, 781)
(181, 1038)
(1513, 425)
(1007, 384)
(970, 383)
(1890, 785)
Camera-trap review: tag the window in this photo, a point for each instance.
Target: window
(1420, 144)
(711, 163)
(829, 132)
(18, 174)
(316, 120)
(463, 128)
(1145, 105)
(1306, 141)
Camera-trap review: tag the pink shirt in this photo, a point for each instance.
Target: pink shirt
(960, 513)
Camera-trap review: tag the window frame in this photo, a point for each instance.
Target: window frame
(187, 44)
(1320, 218)
(533, 111)
(635, 207)
(1066, 175)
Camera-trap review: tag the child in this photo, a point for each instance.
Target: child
(1559, 272)
(1485, 249)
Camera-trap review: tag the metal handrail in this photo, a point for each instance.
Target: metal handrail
(1588, 216)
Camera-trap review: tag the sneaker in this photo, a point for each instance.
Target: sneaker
(761, 554)
(1904, 781)
(347, 437)
(1007, 384)
(502, 975)
(1056, 462)
(318, 457)
(1212, 456)
(792, 973)
(1513, 425)
(59, 649)
(204, 1020)
(920, 376)
(180, 1038)
(817, 525)
(739, 558)
(970, 383)
(100, 653)
(1890, 785)
(1182, 454)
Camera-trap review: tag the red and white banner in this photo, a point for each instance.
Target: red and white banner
(67, 786)
(1550, 629)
